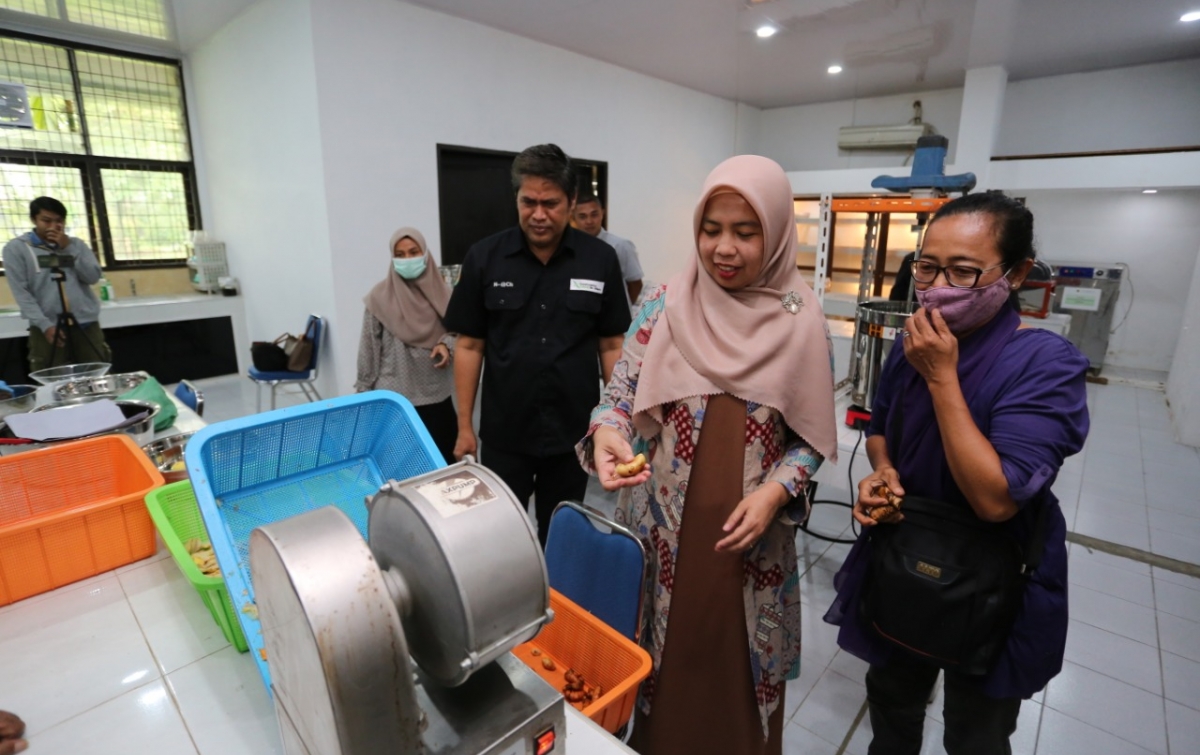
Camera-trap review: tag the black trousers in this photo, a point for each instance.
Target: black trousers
(550, 479)
(897, 694)
(442, 423)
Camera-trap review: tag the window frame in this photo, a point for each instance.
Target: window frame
(90, 165)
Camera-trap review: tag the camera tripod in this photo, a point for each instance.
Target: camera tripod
(66, 327)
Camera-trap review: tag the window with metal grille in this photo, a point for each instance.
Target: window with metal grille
(145, 18)
(109, 140)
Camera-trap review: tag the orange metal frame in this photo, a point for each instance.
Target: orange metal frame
(889, 204)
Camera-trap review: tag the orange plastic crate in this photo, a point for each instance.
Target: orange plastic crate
(71, 511)
(602, 655)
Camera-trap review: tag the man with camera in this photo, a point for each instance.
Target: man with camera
(36, 263)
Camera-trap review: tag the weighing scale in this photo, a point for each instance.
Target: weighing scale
(452, 575)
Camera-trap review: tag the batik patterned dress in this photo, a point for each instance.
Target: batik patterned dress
(773, 452)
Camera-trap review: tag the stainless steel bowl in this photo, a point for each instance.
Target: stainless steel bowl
(52, 375)
(105, 385)
(165, 452)
(128, 407)
(23, 399)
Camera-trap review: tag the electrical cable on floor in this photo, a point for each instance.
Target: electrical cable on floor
(831, 502)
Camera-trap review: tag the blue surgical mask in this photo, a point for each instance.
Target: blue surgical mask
(409, 268)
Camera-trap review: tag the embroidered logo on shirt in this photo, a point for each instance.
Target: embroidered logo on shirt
(502, 284)
(583, 284)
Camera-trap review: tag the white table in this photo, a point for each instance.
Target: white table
(186, 421)
(150, 310)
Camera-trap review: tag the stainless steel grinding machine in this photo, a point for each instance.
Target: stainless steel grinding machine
(452, 575)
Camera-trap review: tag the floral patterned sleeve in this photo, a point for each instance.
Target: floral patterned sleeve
(799, 463)
(616, 401)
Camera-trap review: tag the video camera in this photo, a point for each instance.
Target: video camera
(56, 260)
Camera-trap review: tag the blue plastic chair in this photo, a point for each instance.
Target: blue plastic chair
(599, 564)
(191, 396)
(305, 380)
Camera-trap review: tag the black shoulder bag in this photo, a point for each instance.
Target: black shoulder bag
(945, 585)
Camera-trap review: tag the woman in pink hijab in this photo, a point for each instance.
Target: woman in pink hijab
(726, 385)
(404, 346)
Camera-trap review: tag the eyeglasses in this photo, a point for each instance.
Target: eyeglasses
(958, 276)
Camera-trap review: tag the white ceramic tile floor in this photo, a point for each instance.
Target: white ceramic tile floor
(133, 656)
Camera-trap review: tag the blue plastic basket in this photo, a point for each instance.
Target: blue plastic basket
(266, 467)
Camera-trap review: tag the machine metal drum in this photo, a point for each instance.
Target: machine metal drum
(452, 574)
(877, 324)
(472, 567)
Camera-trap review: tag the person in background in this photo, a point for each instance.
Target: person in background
(589, 218)
(11, 731)
(535, 304)
(404, 346)
(726, 383)
(36, 292)
(988, 412)
(903, 280)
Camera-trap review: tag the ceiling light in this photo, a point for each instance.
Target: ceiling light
(766, 30)
(1192, 16)
(1149, 191)
(834, 69)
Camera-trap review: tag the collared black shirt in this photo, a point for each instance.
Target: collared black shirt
(541, 325)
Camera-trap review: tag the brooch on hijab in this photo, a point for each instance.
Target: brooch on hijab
(792, 302)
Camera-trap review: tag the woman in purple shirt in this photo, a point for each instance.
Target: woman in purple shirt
(989, 412)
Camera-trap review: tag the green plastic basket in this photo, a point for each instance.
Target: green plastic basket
(177, 517)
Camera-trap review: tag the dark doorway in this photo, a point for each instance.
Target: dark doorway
(475, 196)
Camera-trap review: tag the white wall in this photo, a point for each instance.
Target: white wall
(1139, 107)
(1185, 368)
(1156, 235)
(254, 110)
(805, 137)
(394, 80)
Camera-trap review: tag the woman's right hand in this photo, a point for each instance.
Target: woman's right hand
(609, 448)
(869, 497)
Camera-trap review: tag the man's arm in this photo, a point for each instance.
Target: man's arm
(87, 268)
(613, 319)
(631, 269)
(635, 290)
(610, 352)
(468, 363)
(18, 270)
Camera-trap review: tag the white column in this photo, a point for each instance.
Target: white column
(982, 104)
(1185, 369)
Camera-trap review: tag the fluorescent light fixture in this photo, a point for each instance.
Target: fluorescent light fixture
(835, 68)
(1149, 191)
(766, 30)
(1190, 16)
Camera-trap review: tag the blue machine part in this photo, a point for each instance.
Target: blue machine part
(928, 171)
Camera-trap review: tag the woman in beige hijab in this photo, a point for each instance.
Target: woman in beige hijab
(404, 346)
(726, 385)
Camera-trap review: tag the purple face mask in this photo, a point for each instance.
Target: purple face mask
(965, 309)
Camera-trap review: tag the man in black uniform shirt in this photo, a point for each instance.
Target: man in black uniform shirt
(536, 304)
